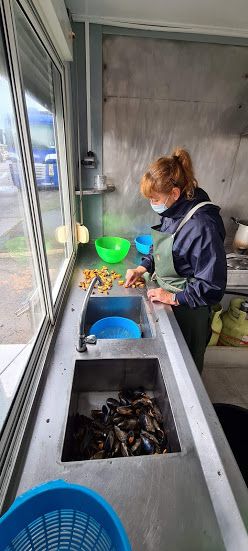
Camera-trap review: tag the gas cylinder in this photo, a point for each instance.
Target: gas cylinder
(235, 324)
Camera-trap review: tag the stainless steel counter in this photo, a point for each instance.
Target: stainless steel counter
(195, 499)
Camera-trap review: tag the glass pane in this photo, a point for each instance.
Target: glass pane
(21, 305)
(42, 83)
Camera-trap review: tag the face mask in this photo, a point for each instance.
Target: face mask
(160, 208)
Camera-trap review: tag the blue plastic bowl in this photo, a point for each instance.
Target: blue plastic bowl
(143, 243)
(64, 516)
(115, 327)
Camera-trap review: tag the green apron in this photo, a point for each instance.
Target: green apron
(193, 322)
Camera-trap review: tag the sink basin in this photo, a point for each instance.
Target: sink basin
(96, 380)
(134, 308)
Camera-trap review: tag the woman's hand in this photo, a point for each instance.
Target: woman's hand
(133, 275)
(160, 295)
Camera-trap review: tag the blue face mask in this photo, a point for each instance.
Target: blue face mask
(159, 208)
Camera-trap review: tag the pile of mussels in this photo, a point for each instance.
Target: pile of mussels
(129, 426)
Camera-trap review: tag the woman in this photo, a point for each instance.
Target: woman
(188, 258)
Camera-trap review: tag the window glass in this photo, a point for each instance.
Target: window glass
(21, 305)
(42, 84)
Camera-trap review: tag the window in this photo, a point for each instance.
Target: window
(43, 95)
(21, 303)
(36, 247)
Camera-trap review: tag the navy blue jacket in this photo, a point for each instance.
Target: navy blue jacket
(198, 250)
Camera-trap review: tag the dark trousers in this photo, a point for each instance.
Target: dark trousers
(195, 326)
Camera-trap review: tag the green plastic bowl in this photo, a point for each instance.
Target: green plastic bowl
(112, 249)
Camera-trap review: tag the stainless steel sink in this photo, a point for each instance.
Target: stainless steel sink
(135, 308)
(95, 380)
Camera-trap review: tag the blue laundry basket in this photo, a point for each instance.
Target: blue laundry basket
(115, 327)
(61, 517)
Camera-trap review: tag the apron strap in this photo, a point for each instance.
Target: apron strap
(190, 214)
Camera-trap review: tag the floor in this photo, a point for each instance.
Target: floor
(225, 375)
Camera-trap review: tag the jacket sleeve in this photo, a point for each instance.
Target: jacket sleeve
(207, 258)
(148, 261)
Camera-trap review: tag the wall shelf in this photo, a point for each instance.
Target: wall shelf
(94, 191)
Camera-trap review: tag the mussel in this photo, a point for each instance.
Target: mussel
(136, 446)
(124, 410)
(130, 438)
(150, 437)
(98, 455)
(130, 426)
(142, 401)
(120, 434)
(146, 422)
(116, 448)
(97, 414)
(124, 450)
(109, 442)
(112, 403)
(147, 445)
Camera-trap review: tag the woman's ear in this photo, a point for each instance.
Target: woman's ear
(175, 193)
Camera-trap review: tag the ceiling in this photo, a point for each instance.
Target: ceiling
(215, 16)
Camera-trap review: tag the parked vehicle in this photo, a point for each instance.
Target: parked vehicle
(44, 151)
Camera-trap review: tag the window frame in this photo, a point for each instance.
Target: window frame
(19, 414)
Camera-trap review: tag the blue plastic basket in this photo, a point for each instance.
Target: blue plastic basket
(143, 243)
(115, 327)
(61, 517)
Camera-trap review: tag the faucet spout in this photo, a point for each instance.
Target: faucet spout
(82, 339)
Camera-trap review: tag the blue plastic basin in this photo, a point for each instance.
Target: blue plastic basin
(143, 243)
(115, 327)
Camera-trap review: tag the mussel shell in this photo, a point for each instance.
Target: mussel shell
(98, 455)
(130, 438)
(124, 450)
(143, 401)
(117, 418)
(150, 436)
(128, 424)
(99, 433)
(120, 434)
(105, 412)
(125, 397)
(86, 440)
(124, 410)
(116, 448)
(147, 445)
(136, 446)
(138, 392)
(155, 424)
(112, 403)
(157, 413)
(97, 414)
(146, 422)
(109, 441)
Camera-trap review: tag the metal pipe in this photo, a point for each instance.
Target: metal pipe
(82, 339)
(87, 66)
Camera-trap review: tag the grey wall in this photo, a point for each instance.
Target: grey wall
(162, 93)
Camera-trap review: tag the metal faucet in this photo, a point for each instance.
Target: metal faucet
(82, 339)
